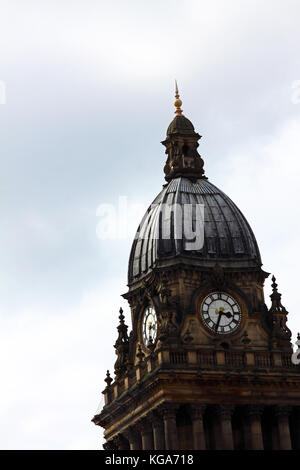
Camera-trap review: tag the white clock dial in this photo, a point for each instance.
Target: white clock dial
(149, 325)
(220, 313)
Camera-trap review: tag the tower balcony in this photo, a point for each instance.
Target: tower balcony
(203, 363)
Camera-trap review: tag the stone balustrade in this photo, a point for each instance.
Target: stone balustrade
(196, 359)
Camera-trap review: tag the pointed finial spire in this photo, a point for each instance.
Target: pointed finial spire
(108, 379)
(177, 102)
(276, 299)
(274, 285)
(121, 316)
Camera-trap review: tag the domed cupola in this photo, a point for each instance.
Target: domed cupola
(191, 221)
(181, 125)
(207, 365)
(181, 147)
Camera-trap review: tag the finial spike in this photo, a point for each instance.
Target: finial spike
(177, 102)
(274, 284)
(108, 379)
(121, 316)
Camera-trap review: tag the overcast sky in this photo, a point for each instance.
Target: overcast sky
(87, 90)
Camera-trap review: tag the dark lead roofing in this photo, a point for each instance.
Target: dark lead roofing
(161, 236)
(180, 125)
(175, 229)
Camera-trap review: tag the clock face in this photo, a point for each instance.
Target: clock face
(220, 313)
(149, 325)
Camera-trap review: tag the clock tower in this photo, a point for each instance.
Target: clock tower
(206, 364)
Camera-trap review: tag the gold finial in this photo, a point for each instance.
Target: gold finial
(177, 102)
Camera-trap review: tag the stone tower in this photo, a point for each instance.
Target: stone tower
(206, 365)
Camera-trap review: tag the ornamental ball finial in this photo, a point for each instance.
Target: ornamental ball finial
(177, 102)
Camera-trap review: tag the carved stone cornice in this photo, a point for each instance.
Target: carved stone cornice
(122, 409)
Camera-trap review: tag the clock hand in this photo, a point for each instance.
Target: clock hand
(218, 322)
(227, 314)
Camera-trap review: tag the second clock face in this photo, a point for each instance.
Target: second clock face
(220, 313)
(149, 325)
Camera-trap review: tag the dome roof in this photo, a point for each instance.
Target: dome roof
(228, 238)
(181, 125)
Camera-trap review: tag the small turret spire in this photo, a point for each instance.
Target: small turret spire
(177, 102)
(281, 334)
(108, 379)
(121, 346)
(181, 147)
(276, 298)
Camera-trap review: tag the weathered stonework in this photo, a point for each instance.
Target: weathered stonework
(192, 387)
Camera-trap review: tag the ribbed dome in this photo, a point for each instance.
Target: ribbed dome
(228, 238)
(180, 125)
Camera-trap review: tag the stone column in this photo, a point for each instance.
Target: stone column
(198, 430)
(134, 438)
(254, 413)
(121, 443)
(282, 414)
(224, 412)
(145, 428)
(158, 430)
(170, 428)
